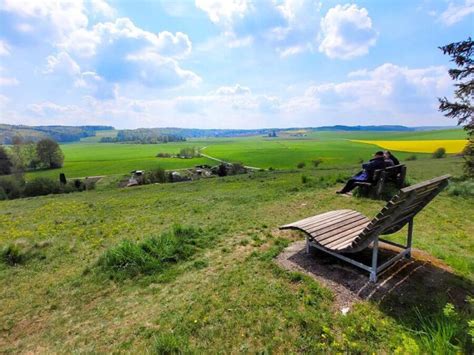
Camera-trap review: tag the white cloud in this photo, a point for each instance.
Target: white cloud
(50, 109)
(224, 12)
(6, 80)
(103, 8)
(233, 90)
(61, 64)
(456, 12)
(4, 48)
(346, 32)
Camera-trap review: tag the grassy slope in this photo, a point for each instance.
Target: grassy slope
(234, 299)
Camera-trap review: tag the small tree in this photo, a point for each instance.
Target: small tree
(439, 153)
(5, 163)
(462, 108)
(49, 153)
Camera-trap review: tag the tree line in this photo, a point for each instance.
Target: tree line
(144, 136)
(27, 155)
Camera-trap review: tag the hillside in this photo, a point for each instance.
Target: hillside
(228, 295)
(58, 133)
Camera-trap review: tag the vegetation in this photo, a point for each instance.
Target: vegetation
(218, 291)
(8, 133)
(14, 186)
(142, 135)
(49, 154)
(462, 108)
(301, 165)
(439, 153)
(5, 163)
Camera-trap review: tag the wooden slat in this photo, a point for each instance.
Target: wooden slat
(330, 220)
(339, 229)
(343, 235)
(334, 223)
(318, 218)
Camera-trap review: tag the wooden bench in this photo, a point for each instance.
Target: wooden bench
(395, 174)
(346, 231)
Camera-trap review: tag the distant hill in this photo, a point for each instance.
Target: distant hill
(366, 128)
(58, 133)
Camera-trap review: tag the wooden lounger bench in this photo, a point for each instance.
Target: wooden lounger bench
(395, 174)
(347, 231)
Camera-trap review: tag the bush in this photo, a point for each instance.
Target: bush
(11, 186)
(155, 175)
(411, 157)
(439, 153)
(41, 186)
(317, 162)
(304, 179)
(301, 165)
(163, 155)
(152, 255)
(462, 188)
(13, 255)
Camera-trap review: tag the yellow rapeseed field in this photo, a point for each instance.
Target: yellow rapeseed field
(420, 146)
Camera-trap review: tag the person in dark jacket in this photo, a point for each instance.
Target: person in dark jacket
(390, 158)
(377, 162)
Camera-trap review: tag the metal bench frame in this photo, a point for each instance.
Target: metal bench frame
(340, 232)
(374, 269)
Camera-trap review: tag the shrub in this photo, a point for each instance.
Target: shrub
(462, 188)
(155, 175)
(411, 157)
(439, 153)
(317, 162)
(301, 165)
(13, 255)
(11, 186)
(163, 155)
(41, 186)
(304, 179)
(152, 255)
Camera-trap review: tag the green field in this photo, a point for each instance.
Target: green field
(90, 158)
(229, 296)
(222, 291)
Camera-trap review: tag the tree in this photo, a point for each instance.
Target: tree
(462, 108)
(49, 153)
(5, 163)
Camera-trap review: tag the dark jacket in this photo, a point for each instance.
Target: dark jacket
(369, 168)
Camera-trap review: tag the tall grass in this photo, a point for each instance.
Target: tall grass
(152, 255)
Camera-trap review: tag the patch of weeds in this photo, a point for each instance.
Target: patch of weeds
(20, 253)
(152, 255)
(277, 247)
(169, 343)
(461, 188)
(443, 332)
(200, 264)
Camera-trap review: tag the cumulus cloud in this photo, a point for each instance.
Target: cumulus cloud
(61, 64)
(346, 32)
(456, 12)
(233, 90)
(288, 25)
(7, 80)
(50, 109)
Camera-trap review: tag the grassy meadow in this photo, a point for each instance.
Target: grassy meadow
(335, 149)
(108, 270)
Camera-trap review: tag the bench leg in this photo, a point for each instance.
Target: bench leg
(373, 269)
(409, 238)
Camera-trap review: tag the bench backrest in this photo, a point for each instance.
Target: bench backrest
(400, 210)
(390, 171)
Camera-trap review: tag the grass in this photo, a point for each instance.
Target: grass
(110, 270)
(335, 149)
(224, 293)
(420, 146)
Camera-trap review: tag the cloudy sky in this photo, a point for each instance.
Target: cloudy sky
(227, 63)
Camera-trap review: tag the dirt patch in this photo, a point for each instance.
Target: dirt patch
(405, 283)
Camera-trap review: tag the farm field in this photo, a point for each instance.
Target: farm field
(420, 146)
(89, 158)
(229, 295)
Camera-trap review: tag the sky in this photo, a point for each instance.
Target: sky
(227, 63)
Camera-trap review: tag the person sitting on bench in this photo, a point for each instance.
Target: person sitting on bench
(377, 162)
(390, 159)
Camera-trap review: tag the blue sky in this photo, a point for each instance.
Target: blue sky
(227, 64)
